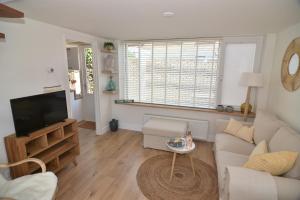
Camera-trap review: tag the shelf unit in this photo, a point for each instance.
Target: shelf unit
(109, 92)
(109, 52)
(110, 63)
(56, 145)
(9, 12)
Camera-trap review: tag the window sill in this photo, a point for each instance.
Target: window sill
(208, 110)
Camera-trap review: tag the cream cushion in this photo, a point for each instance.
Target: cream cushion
(261, 148)
(286, 139)
(165, 127)
(237, 129)
(276, 163)
(41, 186)
(226, 142)
(265, 126)
(233, 127)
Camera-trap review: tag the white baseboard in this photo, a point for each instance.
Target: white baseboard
(131, 126)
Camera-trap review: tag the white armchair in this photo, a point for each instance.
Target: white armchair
(40, 186)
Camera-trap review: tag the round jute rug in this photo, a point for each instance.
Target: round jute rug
(153, 179)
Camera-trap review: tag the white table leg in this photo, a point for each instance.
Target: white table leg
(173, 163)
(192, 163)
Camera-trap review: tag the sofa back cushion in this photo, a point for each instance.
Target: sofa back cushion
(287, 139)
(265, 126)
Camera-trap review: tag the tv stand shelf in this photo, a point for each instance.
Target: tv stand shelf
(57, 145)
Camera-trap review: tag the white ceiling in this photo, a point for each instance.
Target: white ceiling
(142, 19)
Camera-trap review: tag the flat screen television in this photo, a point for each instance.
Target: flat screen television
(35, 112)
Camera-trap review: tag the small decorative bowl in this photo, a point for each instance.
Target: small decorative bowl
(220, 108)
(229, 109)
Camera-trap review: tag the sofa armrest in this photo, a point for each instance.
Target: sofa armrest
(248, 184)
(288, 188)
(222, 123)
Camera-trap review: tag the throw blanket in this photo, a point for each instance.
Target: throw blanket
(248, 184)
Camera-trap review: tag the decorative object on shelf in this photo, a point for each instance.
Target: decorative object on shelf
(109, 62)
(189, 139)
(243, 107)
(230, 109)
(250, 80)
(290, 69)
(220, 108)
(111, 85)
(114, 125)
(109, 46)
(120, 101)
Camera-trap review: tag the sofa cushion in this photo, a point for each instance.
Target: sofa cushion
(165, 127)
(265, 126)
(237, 129)
(226, 142)
(261, 148)
(287, 139)
(276, 163)
(224, 159)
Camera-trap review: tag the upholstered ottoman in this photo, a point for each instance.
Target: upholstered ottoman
(157, 131)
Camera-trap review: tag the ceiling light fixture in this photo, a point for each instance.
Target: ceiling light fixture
(168, 14)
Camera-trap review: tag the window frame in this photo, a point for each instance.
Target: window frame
(123, 61)
(258, 40)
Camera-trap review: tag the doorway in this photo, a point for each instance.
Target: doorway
(81, 83)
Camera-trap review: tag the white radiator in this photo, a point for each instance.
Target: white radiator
(199, 128)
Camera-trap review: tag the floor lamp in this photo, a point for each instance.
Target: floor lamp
(250, 80)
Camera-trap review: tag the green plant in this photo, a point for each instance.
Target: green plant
(109, 46)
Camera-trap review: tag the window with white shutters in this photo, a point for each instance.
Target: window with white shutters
(172, 72)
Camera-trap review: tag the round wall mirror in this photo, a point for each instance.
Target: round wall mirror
(294, 64)
(290, 70)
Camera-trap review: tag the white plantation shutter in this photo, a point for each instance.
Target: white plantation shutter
(173, 72)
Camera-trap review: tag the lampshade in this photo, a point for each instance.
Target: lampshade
(251, 79)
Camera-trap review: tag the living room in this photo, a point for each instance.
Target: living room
(224, 73)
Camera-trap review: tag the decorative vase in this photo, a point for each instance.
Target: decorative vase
(111, 85)
(189, 139)
(114, 125)
(243, 107)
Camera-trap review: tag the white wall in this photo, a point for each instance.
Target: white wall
(76, 105)
(285, 104)
(30, 48)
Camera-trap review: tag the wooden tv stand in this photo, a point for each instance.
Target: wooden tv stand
(57, 145)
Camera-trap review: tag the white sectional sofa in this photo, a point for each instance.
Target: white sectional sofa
(237, 182)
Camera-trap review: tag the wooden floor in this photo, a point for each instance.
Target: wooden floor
(87, 125)
(108, 164)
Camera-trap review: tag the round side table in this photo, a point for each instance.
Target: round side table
(181, 150)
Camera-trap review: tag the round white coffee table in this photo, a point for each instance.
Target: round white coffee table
(181, 150)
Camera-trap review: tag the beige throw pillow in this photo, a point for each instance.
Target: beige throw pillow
(261, 148)
(237, 129)
(276, 163)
